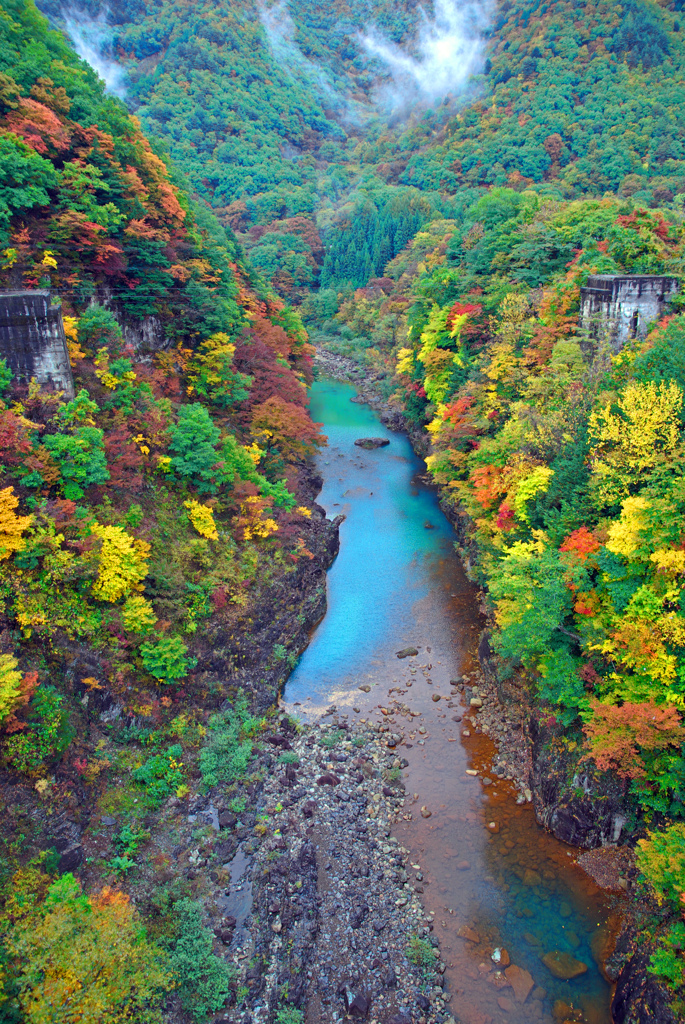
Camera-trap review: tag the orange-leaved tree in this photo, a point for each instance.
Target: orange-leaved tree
(286, 427)
(618, 736)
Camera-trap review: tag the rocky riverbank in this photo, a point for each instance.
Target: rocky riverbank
(302, 888)
(335, 924)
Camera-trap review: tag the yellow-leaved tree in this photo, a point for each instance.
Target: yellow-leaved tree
(212, 374)
(628, 444)
(255, 525)
(10, 685)
(503, 363)
(77, 959)
(138, 615)
(123, 563)
(202, 518)
(12, 526)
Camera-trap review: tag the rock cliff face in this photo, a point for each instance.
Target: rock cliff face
(283, 613)
(145, 334)
(32, 339)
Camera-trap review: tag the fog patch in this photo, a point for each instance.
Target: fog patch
(447, 51)
(92, 40)
(280, 31)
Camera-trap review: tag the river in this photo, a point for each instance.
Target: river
(398, 582)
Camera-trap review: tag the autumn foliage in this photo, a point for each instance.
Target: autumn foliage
(286, 427)
(618, 736)
(79, 959)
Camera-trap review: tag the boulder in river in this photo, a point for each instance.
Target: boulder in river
(563, 965)
(407, 652)
(371, 442)
(357, 1003)
(328, 779)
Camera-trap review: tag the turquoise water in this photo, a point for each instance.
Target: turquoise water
(397, 582)
(395, 543)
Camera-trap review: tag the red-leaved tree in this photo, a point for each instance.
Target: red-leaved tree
(286, 427)
(617, 735)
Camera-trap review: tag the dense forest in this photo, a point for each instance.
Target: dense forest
(255, 193)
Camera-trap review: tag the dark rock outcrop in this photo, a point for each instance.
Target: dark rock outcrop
(639, 997)
(581, 807)
(239, 650)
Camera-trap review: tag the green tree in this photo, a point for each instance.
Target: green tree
(204, 980)
(166, 659)
(193, 443)
(81, 459)
(25, 180)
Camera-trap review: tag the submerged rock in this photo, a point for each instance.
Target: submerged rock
(563, 965)
(521, 981)
(371, 442)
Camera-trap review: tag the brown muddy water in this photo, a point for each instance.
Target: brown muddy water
(493, 881)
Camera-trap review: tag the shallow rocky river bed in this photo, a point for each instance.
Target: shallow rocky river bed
(522, 930)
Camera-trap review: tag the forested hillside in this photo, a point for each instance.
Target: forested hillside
(279, 117)
(565, 459)
(133, 518)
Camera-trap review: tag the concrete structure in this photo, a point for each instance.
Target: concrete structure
(32, 339)
(620, 308)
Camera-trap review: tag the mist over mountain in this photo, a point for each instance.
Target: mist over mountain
(447, 49)
(92, 39)
(279, 114)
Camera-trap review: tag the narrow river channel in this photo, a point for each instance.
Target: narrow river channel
(398, 582)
